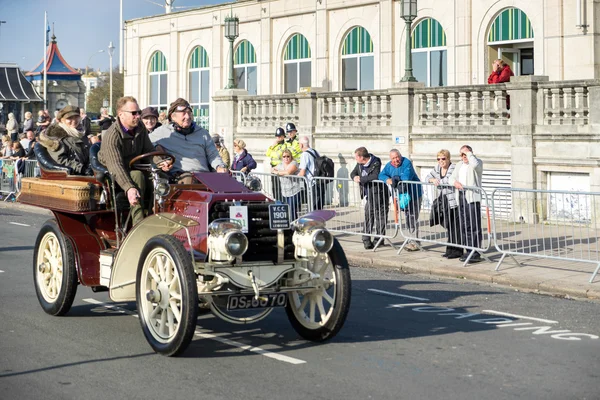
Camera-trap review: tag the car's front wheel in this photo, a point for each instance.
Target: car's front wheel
(167, 295)
(54, 272)
(318, 314)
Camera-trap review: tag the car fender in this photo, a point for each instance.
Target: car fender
(125, 264)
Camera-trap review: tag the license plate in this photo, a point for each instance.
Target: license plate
(247, 301)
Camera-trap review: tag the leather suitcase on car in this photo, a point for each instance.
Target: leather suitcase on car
(68, 195)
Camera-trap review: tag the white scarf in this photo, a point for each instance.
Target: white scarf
(71, 131)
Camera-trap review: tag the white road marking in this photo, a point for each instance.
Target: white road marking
(406, 305)
(206, 335)
(397, 294)
(253, 349)
(546, 321)
(517, 324)
(1, 271)
(16, 223)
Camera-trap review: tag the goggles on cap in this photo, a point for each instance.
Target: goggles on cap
(183, 108)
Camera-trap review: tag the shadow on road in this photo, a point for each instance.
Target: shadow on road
(16, 248)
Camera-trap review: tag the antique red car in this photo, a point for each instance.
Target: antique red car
(214, 244)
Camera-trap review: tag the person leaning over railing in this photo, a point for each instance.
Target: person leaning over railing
(398, 170)
(242, 160)
(468, 172)
(377, 194)
(291, 189)
(444, 210)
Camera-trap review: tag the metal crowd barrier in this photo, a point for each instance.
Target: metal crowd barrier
(239, 176)
(550, 224)
(449, 217)
(371, 214)
(275, 186)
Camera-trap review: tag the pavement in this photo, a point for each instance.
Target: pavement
(545, 276)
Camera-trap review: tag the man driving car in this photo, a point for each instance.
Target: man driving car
(126, 139)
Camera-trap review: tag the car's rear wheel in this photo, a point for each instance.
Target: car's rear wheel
(318, 314)
(54, 272)
(167, 295)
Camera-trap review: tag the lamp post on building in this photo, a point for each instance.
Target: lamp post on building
(232, 31)
(408, 12)
(111, 49)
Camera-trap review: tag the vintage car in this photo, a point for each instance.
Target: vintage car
(214, 244)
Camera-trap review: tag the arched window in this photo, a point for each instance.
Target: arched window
(511, 39)
(358, 62)
(199, 90)
(158, 81)
(296, 64)
(429, 54)
(245, 67)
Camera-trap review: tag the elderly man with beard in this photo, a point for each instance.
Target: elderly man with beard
(395, 172)
(192, 146)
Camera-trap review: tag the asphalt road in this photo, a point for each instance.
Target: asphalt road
(406, 337)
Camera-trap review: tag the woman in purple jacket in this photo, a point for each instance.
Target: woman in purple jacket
(242, 161)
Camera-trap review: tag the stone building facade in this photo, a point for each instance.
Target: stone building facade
(348, 55)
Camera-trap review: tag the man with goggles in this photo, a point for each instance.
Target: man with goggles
(192, 145)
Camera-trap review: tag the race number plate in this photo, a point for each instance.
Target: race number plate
(279, 216)
(247, 301)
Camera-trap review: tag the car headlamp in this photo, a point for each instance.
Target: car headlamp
(254, 184)
(226, 240)
(311, 237)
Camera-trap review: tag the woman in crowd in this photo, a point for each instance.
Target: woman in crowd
(65, 144)
(291, 189)
(150, 119)
(28, 122)
(105, 120)
(12, 126)
(445, 208)
(7, 150)
(43, 121)
(243, 160)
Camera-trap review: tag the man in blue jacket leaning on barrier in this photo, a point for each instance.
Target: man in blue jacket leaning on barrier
(395, 172)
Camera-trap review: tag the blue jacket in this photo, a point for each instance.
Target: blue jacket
(404, 172)
(245, 160)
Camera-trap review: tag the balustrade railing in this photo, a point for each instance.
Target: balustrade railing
(463, 105)
(566, 102)
(267, 111)
(354, 109)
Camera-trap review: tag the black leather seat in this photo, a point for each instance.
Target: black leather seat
(100, 171)
(46, 162)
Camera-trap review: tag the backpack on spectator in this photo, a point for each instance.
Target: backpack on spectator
(323, 165)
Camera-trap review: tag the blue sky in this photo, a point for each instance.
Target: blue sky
(82, 28)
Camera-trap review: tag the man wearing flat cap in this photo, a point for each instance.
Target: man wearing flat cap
(192, 146)
(125, 139)
(223, 152)
(150, 119)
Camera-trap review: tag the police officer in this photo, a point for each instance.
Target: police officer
(292, 142)
(274, 153)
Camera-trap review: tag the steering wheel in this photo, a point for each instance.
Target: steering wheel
(148, 167)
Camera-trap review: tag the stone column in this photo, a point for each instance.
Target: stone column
(523, 119)
(307, 115)
(225, 114)
(404, 108)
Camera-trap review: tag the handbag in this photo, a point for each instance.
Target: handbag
(403, 200)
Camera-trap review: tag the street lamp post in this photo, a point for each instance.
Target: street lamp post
(2, 22)
(408, 12)
(111, 49)
(232, 31)
(90, 59)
